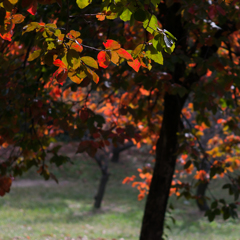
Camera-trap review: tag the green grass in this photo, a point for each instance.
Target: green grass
(35, 209)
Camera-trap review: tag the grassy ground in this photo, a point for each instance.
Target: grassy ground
(36, 209)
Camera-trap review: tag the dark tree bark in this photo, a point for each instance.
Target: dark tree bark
(153, 220)
(201, 201)
(166, 149)
(102, 162)
(101, 189)
(117, 150)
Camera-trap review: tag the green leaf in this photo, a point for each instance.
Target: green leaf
(155, 55)
(34, 55)
(150, 23)
(158, 42)
(126, 15)
(214, 204)
(73, 59)
(227, 185)
(170, 35)
(155, 2)
(83, 3)
(138, 50)
(91, 62)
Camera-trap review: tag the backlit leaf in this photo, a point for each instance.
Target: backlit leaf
(18, 18)
(59, 63)
(124, 54)
(33, 7)
(34, 55)
(13, 2)
(138, 50)
(103, 59)
(91, 62)
(150, 23)
(111, 45)
(135, 64)
(83, 3)
(114, 57)
(73, 34)
(126, 15)
(92, 75)
(155, 55)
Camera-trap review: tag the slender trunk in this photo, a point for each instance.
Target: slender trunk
(201, 201)
(202, 187)
(153, 220)
(117, 150)
(101, 189)
(102, 162)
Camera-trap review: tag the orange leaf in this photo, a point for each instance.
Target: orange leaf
(135, 64)
(73, 34)
(18, 18)
(77, 47)
(91, 74)
(114, 57)
(103, 59)
(7, 36)
(111, 45)
(100, 16)
(124, 54)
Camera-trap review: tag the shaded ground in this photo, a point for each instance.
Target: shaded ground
(43, 210)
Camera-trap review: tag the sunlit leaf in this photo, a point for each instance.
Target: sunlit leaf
(34, 55)
(103, 59)
(83, 3)
(124, 54)
(111, 44)
(135, 64)
(91, 62)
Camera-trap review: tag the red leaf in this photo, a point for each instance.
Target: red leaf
(135, 64)
(124, 54)
(60, 75)
(219, 9)
(96, 135)
(120, 130)
(84, 115)
(33, 7)
(7, 36)
(103, 59)
(111, 45)
(5, 184)
(83, 146)
(59, 63)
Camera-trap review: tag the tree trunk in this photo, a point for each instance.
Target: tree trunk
(117, 150)
(101, 189)
(201, 201)
(153, 220)
(102, 162)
